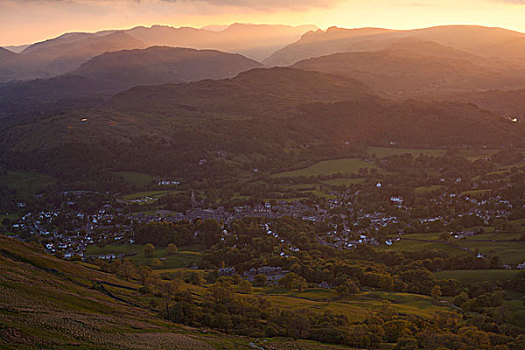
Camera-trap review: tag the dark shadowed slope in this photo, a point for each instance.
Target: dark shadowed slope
(5, 54)
(258, 93)
(484, 41)
(411, 67)
(7, 70)
(413, 123)
(160, 65)
(507, 103)
(262, 117)
(114, 72)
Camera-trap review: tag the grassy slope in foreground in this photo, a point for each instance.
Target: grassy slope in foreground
(48, 303)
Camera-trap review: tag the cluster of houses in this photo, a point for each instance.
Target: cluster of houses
(71, 231)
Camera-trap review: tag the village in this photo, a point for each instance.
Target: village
(68, 231)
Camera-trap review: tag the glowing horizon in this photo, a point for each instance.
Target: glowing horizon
(29, 21)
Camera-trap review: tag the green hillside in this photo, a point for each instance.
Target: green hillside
(48, 303)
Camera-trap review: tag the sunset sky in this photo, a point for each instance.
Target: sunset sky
(28, 21)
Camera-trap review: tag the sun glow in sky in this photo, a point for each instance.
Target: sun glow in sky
(28, 21)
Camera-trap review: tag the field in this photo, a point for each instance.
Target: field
(504, 245)
(344, 182)
(356, 307)
(145, 194)
(470, 154)
(26, 183)
(330, 167)
(422, 241)
(509, 252)
(382, 152)
(135, 178)
(477, 275)
(185, 257)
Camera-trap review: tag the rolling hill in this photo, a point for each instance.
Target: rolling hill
(411, 67)
(114, 72)
(7, 71)
(508, 103)
(6, 55)
(263, 118)
(159, 65)
(49, 303)
(67, 52)
(487, 42)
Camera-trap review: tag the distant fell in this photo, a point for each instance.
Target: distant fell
(409, 67)
(255, 41)
(478, 40)
(159, 65)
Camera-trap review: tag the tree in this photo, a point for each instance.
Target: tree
(196, 278)
(260, 280)
(460, 299)
(347, 288)
(156, 263)
(474, 338)
(172, 249)
(245, 287)
(299, 284)
(168, 289)
(293, 281)
(144, 273)
(436, 293)
(407, 342)
(396, 329)
(386, 312)
(444, 236)
(149, 250)
(126, 269)
(221, 292)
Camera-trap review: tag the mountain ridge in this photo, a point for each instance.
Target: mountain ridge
(473, 39)
(161, 64)
(413, 67)
(258, 116)
(66, 52)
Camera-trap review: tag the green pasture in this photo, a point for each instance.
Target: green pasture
(26, 183)
(512, 252)
(344, 181)
(358, 306)
(382, 152)
(185, 256)
(144, 194)
(476, 275)
(330, 167)
(136, 178)
(504, 245)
